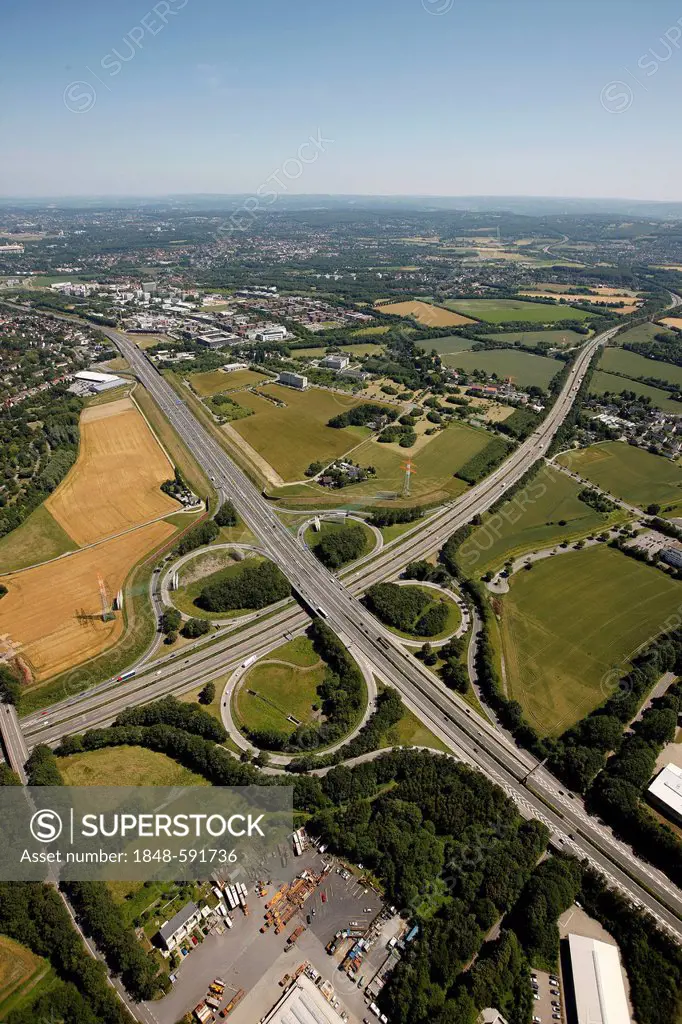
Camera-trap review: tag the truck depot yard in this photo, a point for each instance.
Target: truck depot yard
(115, 483)
(571, 622)
(627, 472)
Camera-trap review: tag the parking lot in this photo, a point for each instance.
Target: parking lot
(246, 958)
(548, 1006)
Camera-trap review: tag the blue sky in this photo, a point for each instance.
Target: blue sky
(441, 97)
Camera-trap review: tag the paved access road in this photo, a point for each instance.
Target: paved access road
(471, 739)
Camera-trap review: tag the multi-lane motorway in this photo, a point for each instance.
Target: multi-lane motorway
(471, 738)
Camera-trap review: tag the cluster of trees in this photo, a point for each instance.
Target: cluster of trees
(195, 628)
(361, 415)
(10, 687)
(226, 515)
(521, 424)
(179, 714)
(391, 516)
(426, 572)
(406, 436)
(599, 502)
(102, 920)
(664, 346)
(207, 694)
(226, 409)
(197, 537)
(38, 445)
(484, 462)
(95, 909)
(409, 609)
(454, 674)
(34, 915)
(340, 547)
(616, 793)
(169, 623)
(253, 587)
(389, 710)
(41, 768)
(447, 845)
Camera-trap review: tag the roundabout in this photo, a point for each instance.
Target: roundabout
(458, 620)
(184, 580)
(276, 698)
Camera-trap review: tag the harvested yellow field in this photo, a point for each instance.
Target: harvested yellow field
(52, 612)
(425, 313)
(672, 321)
(115, 483)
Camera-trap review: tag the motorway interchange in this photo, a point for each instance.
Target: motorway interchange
(470, 738)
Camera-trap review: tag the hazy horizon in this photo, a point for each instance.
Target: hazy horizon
(426, 98)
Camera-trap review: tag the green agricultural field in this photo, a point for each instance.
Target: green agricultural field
(282, 684)
(209, 568)
(129, 766)
(290, 438)
(628, 472)
(446, 346)
(558, 338)
(499, 311)
(524, 368)
(370, 332)
(631, 364)
(216, 381)
(642, 332)
(433, 480)
(313, 537)
(23, 976)
(603, 383)
(573, 620)
(38, 539)
(530, 522)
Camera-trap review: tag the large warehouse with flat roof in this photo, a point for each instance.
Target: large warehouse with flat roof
(598, 983)
(666, 792)
(302, 1004)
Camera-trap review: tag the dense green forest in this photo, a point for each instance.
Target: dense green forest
(38, 445)
(253, 587)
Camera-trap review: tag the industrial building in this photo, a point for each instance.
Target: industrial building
(336, 362)
(303, 1003)
(672, 556)
(179, 926)
(293, 380)
(598, 986)
(89, 382)
(274, 333)
(666, 792)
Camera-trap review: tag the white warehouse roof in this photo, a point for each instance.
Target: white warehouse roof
(597, 982)
(667, 789)
(303, 1004)
(96, 378)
